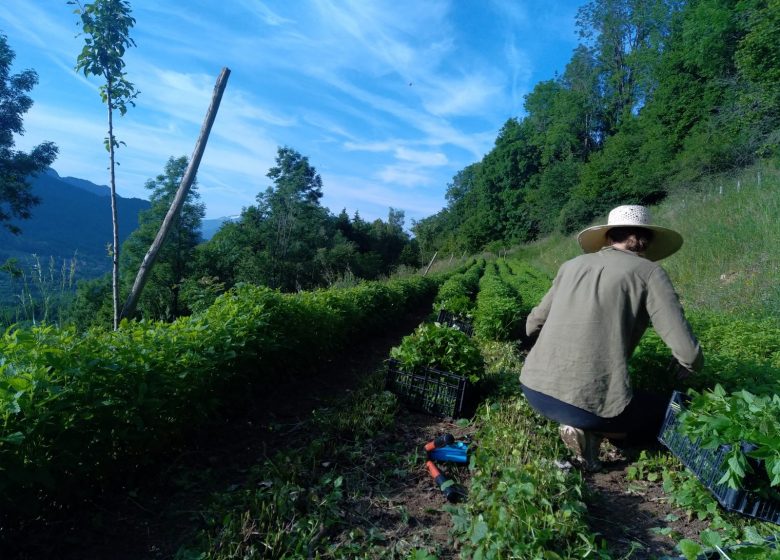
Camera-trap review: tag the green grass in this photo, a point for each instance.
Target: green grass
(730, 262)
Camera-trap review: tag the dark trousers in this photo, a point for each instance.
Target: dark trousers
(641, 420)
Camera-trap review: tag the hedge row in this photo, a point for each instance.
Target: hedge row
(529, 282)
(457, 293)
(79, 409)
(498, 313)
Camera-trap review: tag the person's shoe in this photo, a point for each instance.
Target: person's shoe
(584, 445)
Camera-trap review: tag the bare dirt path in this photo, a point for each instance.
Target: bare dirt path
(634, 516)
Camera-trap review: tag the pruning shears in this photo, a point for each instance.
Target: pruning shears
(445, 448)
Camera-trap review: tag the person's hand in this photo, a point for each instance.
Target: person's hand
(525, 343)
(680, 371)
(683, 372)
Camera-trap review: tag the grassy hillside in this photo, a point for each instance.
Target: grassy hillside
(730, 260)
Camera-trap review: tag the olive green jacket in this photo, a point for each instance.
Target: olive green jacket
(589, 323)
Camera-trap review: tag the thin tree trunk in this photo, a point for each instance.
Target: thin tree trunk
(114, 215)
(179, 198)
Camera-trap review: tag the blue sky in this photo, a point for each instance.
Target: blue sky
(388, 99)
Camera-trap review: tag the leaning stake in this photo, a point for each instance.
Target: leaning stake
(178, 200)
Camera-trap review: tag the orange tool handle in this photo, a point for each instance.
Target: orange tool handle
(440, 441)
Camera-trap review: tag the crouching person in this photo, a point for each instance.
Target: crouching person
(588, 325)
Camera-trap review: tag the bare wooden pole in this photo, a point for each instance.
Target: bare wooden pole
(179, 198)
(430, 263)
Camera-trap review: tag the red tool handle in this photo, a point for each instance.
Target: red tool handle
(452, 492)
(439, 441)
(435, 473)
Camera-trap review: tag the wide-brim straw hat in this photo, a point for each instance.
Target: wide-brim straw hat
(665, 241)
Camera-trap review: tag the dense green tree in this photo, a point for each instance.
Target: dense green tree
(161, 296)
(292, 223)
(106, 27)
(288, 241)
(16, 198)
(626, 37)
(91, 304)
(758, 64)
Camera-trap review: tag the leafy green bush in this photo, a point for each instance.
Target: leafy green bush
(738, 353)
(718, 418)
(498, 314)
(79, 409)
(442, 348)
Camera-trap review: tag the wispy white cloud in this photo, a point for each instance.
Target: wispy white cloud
(18, 14)
(330, 78)
(404, 175)
(422, 159)
(469, 95)
(370, 146)
(346, 191)
(264, 13)
(378, 36)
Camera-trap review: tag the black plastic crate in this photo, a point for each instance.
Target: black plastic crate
(436, 392)
(770, 542)
(455, 321)
(706, 464)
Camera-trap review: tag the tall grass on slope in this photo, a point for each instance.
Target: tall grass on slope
(730, 261)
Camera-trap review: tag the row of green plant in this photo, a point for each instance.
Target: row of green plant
(498, 314)
(299, 503)
(520, 504)
(738, 353)
(77, 409)
(458, 292)
(529, 281)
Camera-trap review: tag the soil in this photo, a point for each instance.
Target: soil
(629, 514)
(407, 508)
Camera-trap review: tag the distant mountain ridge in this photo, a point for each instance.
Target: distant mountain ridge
(73, 218)
(100, 190)
(208, 226)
